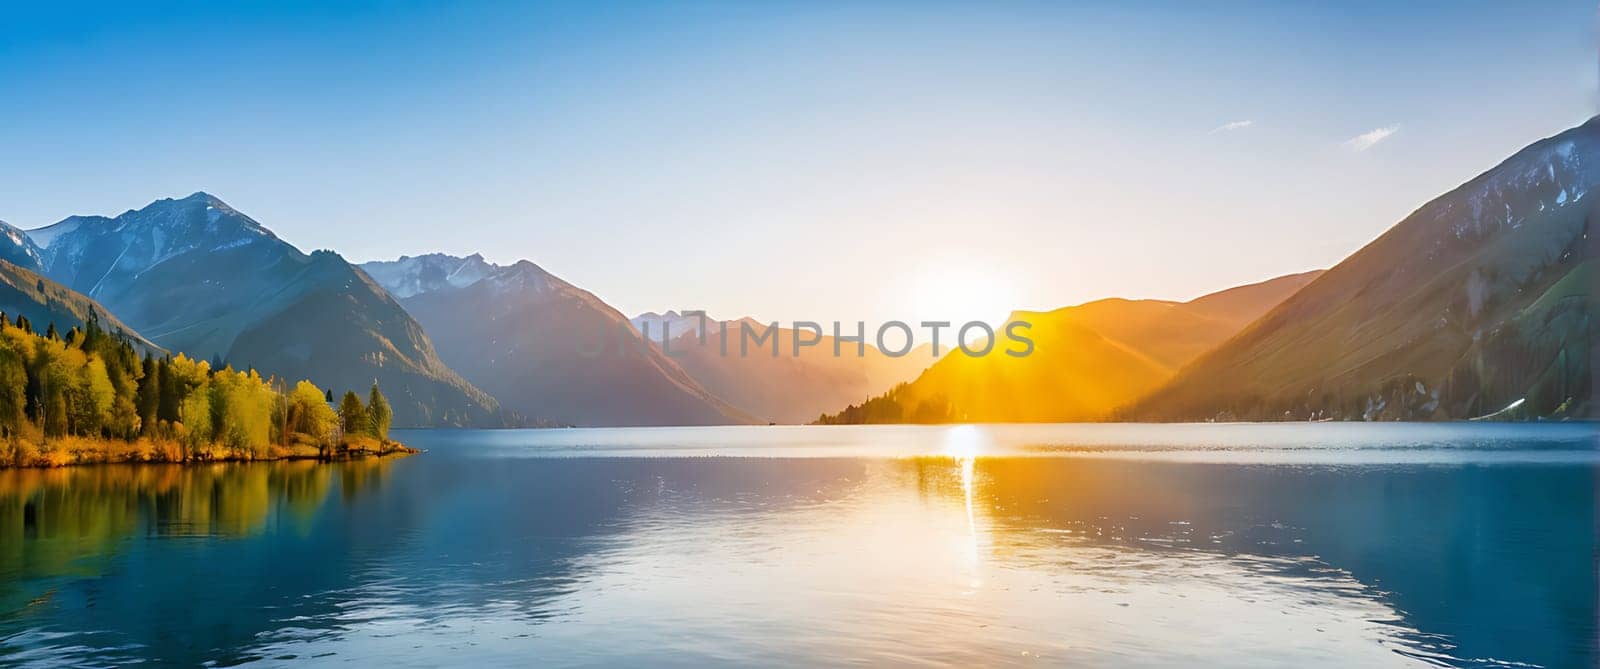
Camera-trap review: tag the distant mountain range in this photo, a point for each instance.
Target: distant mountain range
(196, 276)
(786, 388)
(520, 333)
(1088, 360)
(1480, 302)
(671, 323)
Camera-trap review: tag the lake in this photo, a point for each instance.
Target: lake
(1100, 545)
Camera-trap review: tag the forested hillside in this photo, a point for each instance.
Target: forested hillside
(86, 395)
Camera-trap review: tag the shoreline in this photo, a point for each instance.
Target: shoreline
(79, 452)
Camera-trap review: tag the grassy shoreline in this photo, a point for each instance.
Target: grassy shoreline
(74, 451)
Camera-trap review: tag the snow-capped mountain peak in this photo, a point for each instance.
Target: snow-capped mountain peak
(671, 322)
(47, 235)
(409, 276)
(18, 248)
(138, 240)
(413, 275)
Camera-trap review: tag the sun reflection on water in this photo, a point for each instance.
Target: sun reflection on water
(964, 443)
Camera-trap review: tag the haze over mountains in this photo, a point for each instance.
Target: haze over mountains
(671, 323)
(785, 388)
(196, 276)
(1087, 360)
(522, 334)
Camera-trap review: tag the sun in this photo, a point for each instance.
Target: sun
(960, 294)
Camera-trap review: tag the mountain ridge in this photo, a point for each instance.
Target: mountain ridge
(196, 275)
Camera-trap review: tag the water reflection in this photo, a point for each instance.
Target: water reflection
(66, 533)
(959, 556)
(1480, 565)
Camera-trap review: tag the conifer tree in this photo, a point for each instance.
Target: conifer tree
(167, 391)
(353, 416)
(149, 395)
(379, 415)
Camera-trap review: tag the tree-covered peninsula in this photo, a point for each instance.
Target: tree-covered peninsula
(88, 396)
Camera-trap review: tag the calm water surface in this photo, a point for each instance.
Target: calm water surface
(1241, 545)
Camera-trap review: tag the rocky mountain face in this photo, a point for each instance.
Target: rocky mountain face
(1480, 303)
(196, 276)
(548, 350)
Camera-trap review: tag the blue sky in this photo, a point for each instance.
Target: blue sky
(817, 161)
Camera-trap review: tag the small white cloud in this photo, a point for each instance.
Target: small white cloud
(1369, 139)
(1232, 125)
